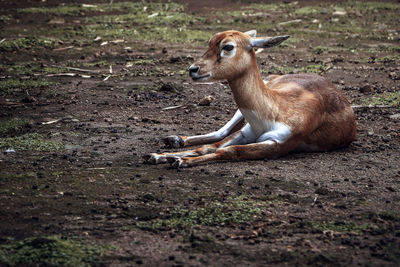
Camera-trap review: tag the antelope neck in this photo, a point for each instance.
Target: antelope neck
(249, 89)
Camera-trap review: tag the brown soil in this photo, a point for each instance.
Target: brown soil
(98, 187)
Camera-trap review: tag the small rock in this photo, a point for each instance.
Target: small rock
(366, 89)
(206, 101)
(174, 59)
(28, 99)
(56, 21)
(395, 116)
(108, 120)
(169, 87)
(394, 76)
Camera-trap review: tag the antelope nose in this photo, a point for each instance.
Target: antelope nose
(193, 69)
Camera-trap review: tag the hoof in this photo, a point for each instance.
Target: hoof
(177, 162)
(154, 159)
(174, 141)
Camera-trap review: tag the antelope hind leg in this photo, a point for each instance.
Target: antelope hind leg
(265, 149)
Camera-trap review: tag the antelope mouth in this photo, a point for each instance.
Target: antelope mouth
(198, 77)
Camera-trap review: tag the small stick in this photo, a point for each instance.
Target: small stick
(372, 106)
(172, 107)
(63, 48)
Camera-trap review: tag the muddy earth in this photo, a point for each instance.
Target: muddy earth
(87, 88)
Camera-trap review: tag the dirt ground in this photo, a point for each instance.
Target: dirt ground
(99, 104)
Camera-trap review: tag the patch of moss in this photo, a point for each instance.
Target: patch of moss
(149, 33)
(140, 21)
(50, 251)
(10, 86)
(364, 6)
(390, 216)
(13, 125)
(314, 68)
(4, 18)
(18, 176)
(339, 226)
(30, 67)
(263, 7)
(390, 48)
(101, 63)
(320, 49)
(392, 252)
(31, 141)
(142, 62)
(233, 211)
(389, 59)
(80, 9)
(308, 10)
(29, 42)
(277, 70)
(388, 99)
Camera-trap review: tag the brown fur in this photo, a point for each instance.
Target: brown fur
(318, 114)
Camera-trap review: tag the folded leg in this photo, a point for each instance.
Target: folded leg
(176, 141)
(265, 149)
(244, 136)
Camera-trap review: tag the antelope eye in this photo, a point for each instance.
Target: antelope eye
(228, 47)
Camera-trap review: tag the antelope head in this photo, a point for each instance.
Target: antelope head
(229, 55)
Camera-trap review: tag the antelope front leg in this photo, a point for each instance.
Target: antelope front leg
(269, 144)
(175, 141)
(243, 136)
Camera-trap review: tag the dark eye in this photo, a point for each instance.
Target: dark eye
(228, 47)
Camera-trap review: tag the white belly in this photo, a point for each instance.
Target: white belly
(266, 129)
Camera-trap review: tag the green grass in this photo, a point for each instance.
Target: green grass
(233, 211)
(392, 252)
(390, 216)
(79, 9)
(11, 86)
(13, 125)
(31, 141)
(4, 18)
(100, 63)
(30, 68)
(311, 68)
(50, 251)
(389, 59)
(388, 99)
(139, 21)
(365, 6)
(263, 7)
(339, 226)
(29, 42)
(307, 10)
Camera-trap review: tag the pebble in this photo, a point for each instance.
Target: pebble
(366, 89)
(205, 101)
(395, 116)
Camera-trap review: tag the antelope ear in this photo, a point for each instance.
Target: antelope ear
(252, 33)
(268, 41)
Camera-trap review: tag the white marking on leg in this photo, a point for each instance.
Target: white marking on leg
(246, 136)
(279, 133)
(217, 135)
